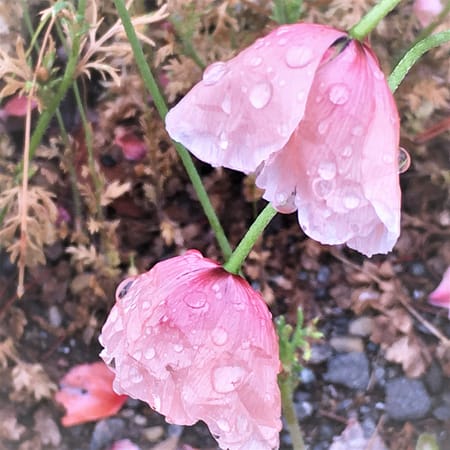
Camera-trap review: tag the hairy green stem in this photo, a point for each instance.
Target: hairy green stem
(161, 106)
(413, 55)
(286, 385)
(241, 252)
(372, 18)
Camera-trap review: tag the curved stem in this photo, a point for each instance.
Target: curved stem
(161, 106)
(413, 55)
(372, 18)
(241, 252)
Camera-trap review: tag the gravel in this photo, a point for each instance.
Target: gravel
(350, 370)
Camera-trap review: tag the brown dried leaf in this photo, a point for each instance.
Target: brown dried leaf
(47, 428)
(10, 429)
(32, 379)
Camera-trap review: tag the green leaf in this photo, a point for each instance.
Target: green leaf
(427, 441)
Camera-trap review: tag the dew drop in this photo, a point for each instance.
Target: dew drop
(404, 160)
(149, 353)
(282, 42)
(178, 348)
(322, 188)
(259, 43)
(219, 336)
(157, 402)
(347, 151)
(226, 104)
(357, 131)
(195, 300)
(282, 30)
(224, 425)
(351, 201)
(223, 141)
(339, 94)
(322, 127)
(260, 95)
(136, 377)
(215, 287)
(146, 305)
(227, 378)
(327, 170)
(214, 73)
(137, 355)
(281, 198)
(298, 56)
(283, 130)
(256, 61)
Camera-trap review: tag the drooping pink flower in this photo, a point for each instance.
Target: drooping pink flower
(441, 295)
(309, 110)
(17, 106)
(87, 394)
(197, 343)
(427, 10)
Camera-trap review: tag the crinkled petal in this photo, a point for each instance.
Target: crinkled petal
(340, 167)
(197, 343)
(245, 109)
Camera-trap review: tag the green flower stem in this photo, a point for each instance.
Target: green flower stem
(372, 18)
(161, 106)
(413, 55)
(285, 383)
(241, 252)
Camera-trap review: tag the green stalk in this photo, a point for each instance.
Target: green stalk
(413, 55)
(372, 18)
(241, 252)
(161, 106)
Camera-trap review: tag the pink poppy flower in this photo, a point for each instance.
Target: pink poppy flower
(427, 10)
(309, 110)
(87, 394)
(441, 295)
(197, 343)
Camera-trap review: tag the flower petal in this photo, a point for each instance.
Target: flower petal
(197, 343)
(441, 295)
(245, 109)
(341, 164)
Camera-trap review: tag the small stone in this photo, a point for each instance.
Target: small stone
(347, 344)
(153, 434)
(434, 379)
(406, 399)
(303, 410)
(54, 316)
(442, 412)
(320, 353)
(307, 376)
(349, 369)
(362, 326)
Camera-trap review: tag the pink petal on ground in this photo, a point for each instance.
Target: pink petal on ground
(340, 167)
(87, 394)
(427, 10)
(17, 106)
(441, 295)
(133, 147)
(197, 343)
(246, 108)
(124, 444)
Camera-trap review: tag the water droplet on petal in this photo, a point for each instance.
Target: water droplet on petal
(339, 94)
(327, 170)
(146, 305)
(224, 425)
(282, 30)
(226, 104)
(223, 141)
(282, 83)
(298, 56)
(136, 377)
(259, 43)
(322, 188)
(357, 131)
(195, 300)
(178, 348)
(351, 201)
(227, 378)
(347, 151)
(283, 130)
(256, 61)
(282, 41)
(157, 402)
(149, 353)
(214, 73)
(323, 127)
(219, 336)
(404, 160)
(281, 198)
(137, 355)
(260, 95)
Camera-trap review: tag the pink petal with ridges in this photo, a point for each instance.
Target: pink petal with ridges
(197, 343)
(246, 109)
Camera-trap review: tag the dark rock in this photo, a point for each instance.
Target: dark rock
(406, 399)
(105, 432)
(350, 370)
(434, 379)
(442, 412)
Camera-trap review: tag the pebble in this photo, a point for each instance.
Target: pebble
(406, 399)
(54, 316)
(307, 376)
(320, 353)
(434, 379)
(349, 369)
(442, 412)
(347, 344)
(361, 326)
(105, 432)
(303, 410)
(153, 434)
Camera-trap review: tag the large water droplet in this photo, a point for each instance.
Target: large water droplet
(227, 378)
(214, 73)
(339, 94)
(322, 188)
(298, 56)
(195, 300)
(260, 94)
(223, 140)
(351, 201)
(282, 30)
(255, 61)
(226, 104)
(224, 425)
(404, 160)
(219, 336)
(149, 353)
(327, 170)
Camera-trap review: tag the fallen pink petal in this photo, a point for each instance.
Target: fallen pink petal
(133, 147)
(17, 106)
(310, 112)
(124, 444)
(427, 10)
(87, 394)
(441, 295)
(197, 343)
